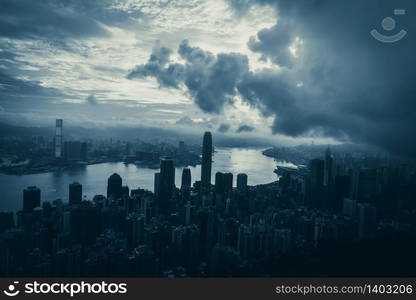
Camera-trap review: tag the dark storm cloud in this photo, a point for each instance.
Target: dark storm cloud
(210, 79)
(223, 128)
(274, 44)
(344, 83)
(168, 75)
(353, 86)
(23, 19)
(244, 128)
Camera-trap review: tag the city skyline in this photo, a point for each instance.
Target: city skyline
(208, 138)
(200, 229)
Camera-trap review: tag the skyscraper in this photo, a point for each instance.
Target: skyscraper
(223, 183)
(241, 182)
(316, 167)
(228, 182)
(31, 198)
(58, 139)
(219, 183)
(328, 171)
(206, 161)
(75, 193)
(186, 185)
(166, 185)
(186, 178)
(156, 186)
(114, 186)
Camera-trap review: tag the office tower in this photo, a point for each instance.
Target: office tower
(186, 185)
(114, 186)
(223, 183)
(316, 167)
(228, 182)
(166, 184)
(186, 178)
(206, 162)
(242, 182)
(75, 193)
(31, 198)
(328, 171)
(156, 185)
(58, 139)
(219, 183)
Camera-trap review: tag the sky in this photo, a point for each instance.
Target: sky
(295, 71)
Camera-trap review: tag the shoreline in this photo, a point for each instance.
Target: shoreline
(61, 168)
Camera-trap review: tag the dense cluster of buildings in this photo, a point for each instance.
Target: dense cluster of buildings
(200, 229)
(44, 152)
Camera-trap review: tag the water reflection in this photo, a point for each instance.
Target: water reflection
(54, 185)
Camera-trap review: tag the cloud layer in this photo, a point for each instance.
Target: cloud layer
(331, 78)
(210, 79)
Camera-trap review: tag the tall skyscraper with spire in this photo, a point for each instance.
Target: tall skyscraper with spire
(206, 161)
